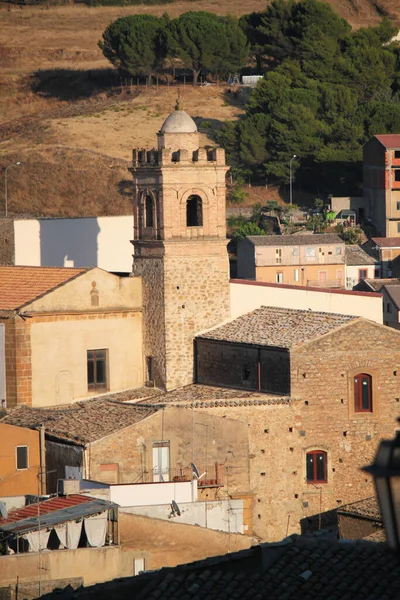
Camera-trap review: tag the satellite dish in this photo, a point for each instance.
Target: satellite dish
(196, 472)
(175, 508)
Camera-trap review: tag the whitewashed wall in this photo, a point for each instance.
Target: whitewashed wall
(220, 515)
(83, 242)
(248, 296)
(143, 494)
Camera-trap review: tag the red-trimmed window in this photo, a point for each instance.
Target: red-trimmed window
(97, 369)
(363, 393)
(317, 466)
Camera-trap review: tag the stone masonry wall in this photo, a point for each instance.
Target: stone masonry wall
(320, 416)
(193, 436)
(196, 298)
(151, 269)
(18, 361)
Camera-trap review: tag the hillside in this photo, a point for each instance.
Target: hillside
(67, 119)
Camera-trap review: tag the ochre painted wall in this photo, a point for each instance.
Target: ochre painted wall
(311, 273)
(15, 482)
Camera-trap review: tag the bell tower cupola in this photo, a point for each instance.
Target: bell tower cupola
(179, 244)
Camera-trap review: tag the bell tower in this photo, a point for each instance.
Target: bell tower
(179, 246)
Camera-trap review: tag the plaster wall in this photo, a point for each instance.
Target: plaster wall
(12, 481)
(245, 297)
(81, 242)
(169, 543)
(324, 275)
(353, 274)
(151, 494)
(220, 515)
(59, 355)
(93, 564)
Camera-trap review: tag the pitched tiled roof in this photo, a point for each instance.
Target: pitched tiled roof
(295, 240)
(389, 242)
(295, 569)
(368, 508)
(389, 140)
(377, 284)
(209, 396)
(355, 255)
(20, 285)
(82, 422)
(278, 327)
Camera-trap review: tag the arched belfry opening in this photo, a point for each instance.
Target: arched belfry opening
(149, 210)
(194, 211)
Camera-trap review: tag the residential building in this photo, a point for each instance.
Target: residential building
(359, 265)
(60, 242)
(68, 334)
(179, 246)
(361, 520)
(306, 260)
(389, 289)
(121, 442)
(381, 190)
(20, 461)
(386, 251)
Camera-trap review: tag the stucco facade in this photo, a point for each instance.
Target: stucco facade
(313, 260)
(48, 341)
(19, 461)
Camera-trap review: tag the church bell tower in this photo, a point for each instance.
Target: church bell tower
(179, 246)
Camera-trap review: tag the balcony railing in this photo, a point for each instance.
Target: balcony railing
(210, 475)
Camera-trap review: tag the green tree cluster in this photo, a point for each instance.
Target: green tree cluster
(327, 90)
(202, 41)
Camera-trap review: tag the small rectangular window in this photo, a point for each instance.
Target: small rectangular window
(338, 250)
(278, 256)
(22, 457)
(362, 274)
(296, 275)
(397, 205)
(310, 251)
(398, 227)
(279, 277)
(295, 251)
(397, 153)
(397, 175)
(97, 369)
(149, 365)
(389, 307)
(316, 466)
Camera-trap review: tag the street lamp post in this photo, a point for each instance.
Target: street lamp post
(291, 184)
(5, 185)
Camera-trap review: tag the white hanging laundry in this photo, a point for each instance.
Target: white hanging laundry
(96, 529)
(37, 540)
(73, 534)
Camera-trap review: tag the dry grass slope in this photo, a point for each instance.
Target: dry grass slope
(72, 131)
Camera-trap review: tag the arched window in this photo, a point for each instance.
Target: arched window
(194, 212)
(316, 466)
(149, 211)
(362, 393)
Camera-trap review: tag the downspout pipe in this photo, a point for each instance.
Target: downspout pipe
(42, 446)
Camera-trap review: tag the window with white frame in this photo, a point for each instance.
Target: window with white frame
(278, 256)
(310, 251)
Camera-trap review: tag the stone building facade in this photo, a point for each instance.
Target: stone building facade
(321, 419)
(179, 246)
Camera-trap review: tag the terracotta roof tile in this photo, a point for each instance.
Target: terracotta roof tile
(278, 327)
(389, 242)
(377, 284)
(82, 422)
(355, 255)
(389, 140)
(295, 240)
(295, 569)
(368, 508)
(20, 285)
(209, 396)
